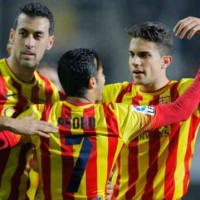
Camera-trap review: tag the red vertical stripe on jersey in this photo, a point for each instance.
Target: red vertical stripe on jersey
(112, 128)
(22, 101)
(193, 126)
(133, 173)
(124, 91)
(35, 94)
(92, 162)
(154, 146)
(45, 158)
(48, 89)
(3, 141)
(67, 155)
(116, 186)
(169, 186)
(19, 172)
(3, 93)
(133, 158)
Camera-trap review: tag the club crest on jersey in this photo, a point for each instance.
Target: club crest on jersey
(149, 110)
(165, 100)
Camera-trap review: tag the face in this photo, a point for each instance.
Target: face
(100, 83)
(146, 63)
(30, 40)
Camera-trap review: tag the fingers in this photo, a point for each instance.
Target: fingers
(188, 26)
(109, 190)
(47, 127)
(40, 133)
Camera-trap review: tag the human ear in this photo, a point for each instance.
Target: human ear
(91, 83)
(167, 60)
(50, 42)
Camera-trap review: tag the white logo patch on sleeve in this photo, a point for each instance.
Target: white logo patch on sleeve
(149, 110)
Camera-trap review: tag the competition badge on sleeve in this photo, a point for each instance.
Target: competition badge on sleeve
(149, 110)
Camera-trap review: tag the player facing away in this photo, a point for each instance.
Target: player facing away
(21, 86)
(76, 162)
(155, 165)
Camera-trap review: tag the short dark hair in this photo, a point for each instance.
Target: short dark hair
(154, 32)
(75, 68)
(36, 9)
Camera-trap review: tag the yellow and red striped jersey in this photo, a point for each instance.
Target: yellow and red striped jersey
(76, 162)
(15, 97)
(155, 165)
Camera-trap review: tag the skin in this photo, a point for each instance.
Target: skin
(30, 40)
(51, 74)
(26, 47)
(147, 65)
(187, 27)
(145, 73)
(99, 83)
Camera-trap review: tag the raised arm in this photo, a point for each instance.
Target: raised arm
(180, 109)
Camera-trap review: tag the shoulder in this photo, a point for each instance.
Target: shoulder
(118, 86)
(185, 83)
(3, 64)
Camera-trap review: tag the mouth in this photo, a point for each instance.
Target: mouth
(137, 72)
(28, 54)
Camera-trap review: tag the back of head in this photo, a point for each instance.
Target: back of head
(155, 32)
(75, 68)
(36, 9)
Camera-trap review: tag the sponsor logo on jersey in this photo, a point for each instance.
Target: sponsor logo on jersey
(149, 110)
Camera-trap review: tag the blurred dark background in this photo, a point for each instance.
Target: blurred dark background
(101, 25)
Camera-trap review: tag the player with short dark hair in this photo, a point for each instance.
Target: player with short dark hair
(21, 86)
(80, 157)
(155, 165)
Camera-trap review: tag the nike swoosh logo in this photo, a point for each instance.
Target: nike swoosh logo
(10, 95)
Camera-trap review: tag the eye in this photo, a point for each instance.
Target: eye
(131, 54)
(143, 54)
(38, 35)
(23, 33)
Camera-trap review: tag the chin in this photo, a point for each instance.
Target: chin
(98, 100)
(29, 65)
(139, 82)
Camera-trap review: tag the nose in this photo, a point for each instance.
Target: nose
(30, 41)
(135, 60)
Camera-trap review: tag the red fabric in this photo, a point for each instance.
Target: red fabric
(182, 108)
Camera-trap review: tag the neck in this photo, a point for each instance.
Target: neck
(22, 73)
(79, 99)
(154, 86)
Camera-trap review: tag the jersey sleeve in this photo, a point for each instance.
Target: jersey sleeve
(111, 91)
(134, 120)
(9, 139)
(180, 109)
(183, 86)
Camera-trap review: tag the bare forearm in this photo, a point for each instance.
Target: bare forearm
(6, 123)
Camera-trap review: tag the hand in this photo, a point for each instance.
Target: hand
(189, 26)
(109, 190)
(29, 126)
